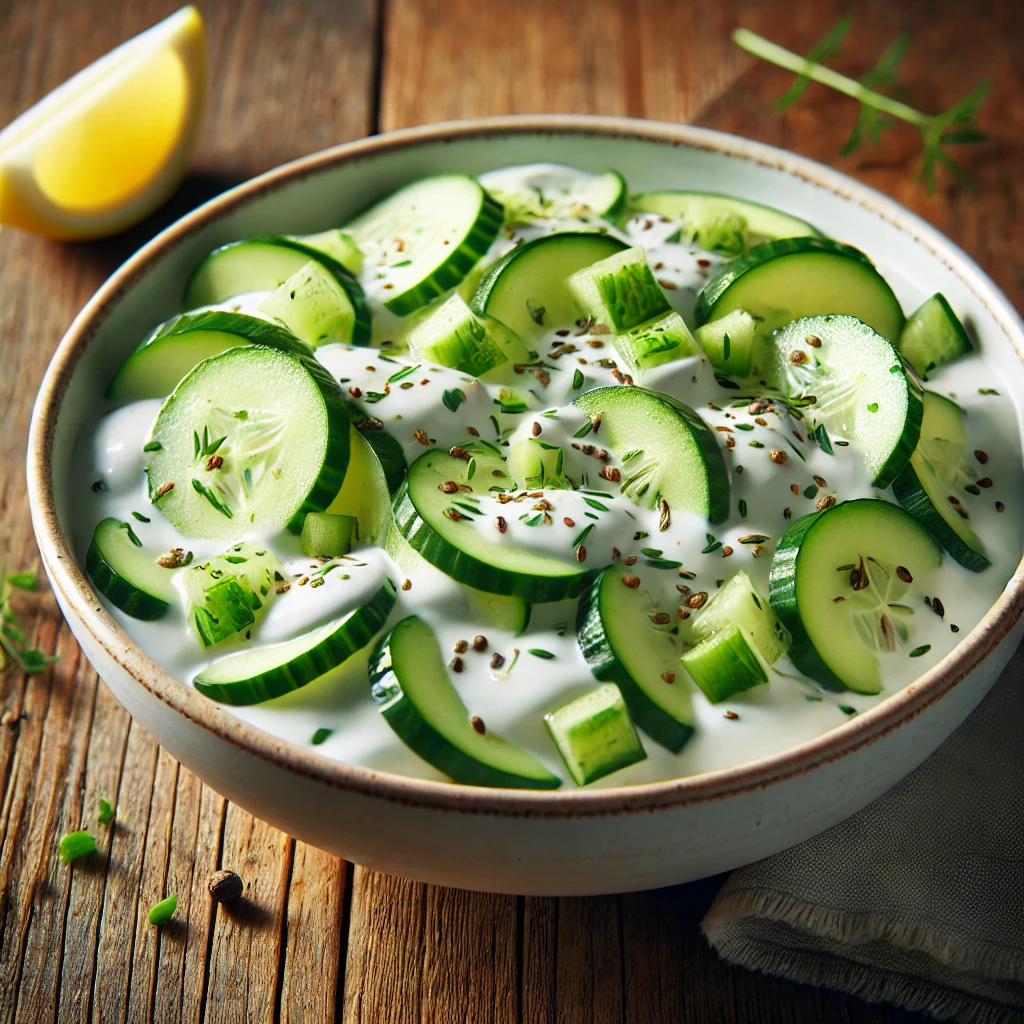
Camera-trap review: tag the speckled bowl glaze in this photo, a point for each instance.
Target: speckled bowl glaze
(570, 842)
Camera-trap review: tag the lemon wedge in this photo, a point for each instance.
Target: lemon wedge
(111, 144)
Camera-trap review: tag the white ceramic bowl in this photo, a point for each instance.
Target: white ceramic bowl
(570, 842)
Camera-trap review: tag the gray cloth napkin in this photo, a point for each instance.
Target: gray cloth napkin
(917, 900)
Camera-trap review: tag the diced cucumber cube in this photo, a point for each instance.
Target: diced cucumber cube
(656, 342)
(737, 603)
(456, 337)
(510, 401)
(724, 664)
(325, 535)
(595, 735)
(223, 593)
(536, 463)
(339, 245)
(619, 291)
(729, 342)
(933, 336)
(313, 306)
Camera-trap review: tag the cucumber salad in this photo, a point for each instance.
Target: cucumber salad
(528, 480)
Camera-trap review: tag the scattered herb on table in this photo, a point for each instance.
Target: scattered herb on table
(106, 811)
(75, 845)
(14, 644)
(878, 111)
(164, 910)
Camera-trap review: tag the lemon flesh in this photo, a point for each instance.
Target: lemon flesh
(112, 143)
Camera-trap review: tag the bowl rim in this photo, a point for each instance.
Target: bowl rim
(77, 594)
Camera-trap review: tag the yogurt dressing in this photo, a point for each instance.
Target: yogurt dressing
(513, 699)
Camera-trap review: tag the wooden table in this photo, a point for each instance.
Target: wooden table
(320, 939)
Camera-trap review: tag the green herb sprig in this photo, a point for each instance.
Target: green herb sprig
(878, 111)
(14, 644)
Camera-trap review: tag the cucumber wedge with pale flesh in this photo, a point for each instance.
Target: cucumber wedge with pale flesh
(129, 575)
(933, 335)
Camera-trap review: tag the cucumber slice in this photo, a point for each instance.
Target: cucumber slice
(737, 603)
(927, 485)
(526, 289)
(325, 535)
(364, 496)
(250, 438)
(454, 336)
(668, 452)
(846, 583)
(724, 664)
(223, 593)
(933, 336)
(388, 450)
(729, 342)
(555, 192)
(154, 369)
(655, 343)
(722, 223)
(860, 385)
(126, 574)
(255, 676)
(339, 245)
(537, 464)
(263, 265)
(455, 546)
(594, 735)
(426, 237)
(409, 681)
(795, 277)
(617, 638)
(313, 306)
(619, 291)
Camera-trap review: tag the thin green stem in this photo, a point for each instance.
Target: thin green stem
(775, 54)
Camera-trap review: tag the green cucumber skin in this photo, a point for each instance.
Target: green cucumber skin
(597, 651)
(911, 495)
(352, 634)
(458, 264)
(119, 592)
(472, 571)
(361, 329)
(389, 453)
(899, 457)
(782, 598)
(421, 737)
(718, 473)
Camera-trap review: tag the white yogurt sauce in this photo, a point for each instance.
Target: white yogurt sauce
(513, 700)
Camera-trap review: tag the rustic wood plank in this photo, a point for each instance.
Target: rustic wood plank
(316, 937)
(538, 960)
(246, 949)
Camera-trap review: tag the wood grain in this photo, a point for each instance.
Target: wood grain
(315, 940)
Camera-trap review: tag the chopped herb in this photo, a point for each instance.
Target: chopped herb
(813, 698)
(987, 391)
(755, 444)
(453, 398)
(725, 382)
(164, 910)
(584, 430)
(810, 490)
(753, 538)
(400, 263)
(713, 545)
(743, 508)
(98, 486)
(847, 710)
(650, 552)
(726, 346)
(532, 518)
(197, 446)
(403, 373)
(824, 441)
(106, 812)
(536, 311)
(744, 426)
(235, 559)
(577, 380)
(640, 534)
(872, 407)
(211, 498)
(132, 536)
(152, 446)
(27, 580)
(141, 518)
(595, 504)
(918, 651)
(539, 652)
(664, 563)
(515, 658)
(374, 396)
(583, 535)
(75, 845)
(321, 736)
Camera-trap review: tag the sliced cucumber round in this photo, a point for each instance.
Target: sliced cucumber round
(927, 484)
(389, 451)
(364, 495)
(860, 386)
(555, 192)
(263, 265)
(268, 672)
(426, 237)
(846, 583)
(409, 681)
(526, 289)
(155, 367)
(794, 277)
(667, 452)
(722, 223)
(126, 574)
(252, 437)
(339, 245)
(616, 636)
(933, 335)
(456, 547)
